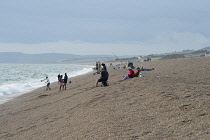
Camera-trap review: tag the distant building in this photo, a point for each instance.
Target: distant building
(140, 57)
(207, 54)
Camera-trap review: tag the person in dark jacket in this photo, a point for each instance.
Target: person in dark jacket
(104, 66)
(65, 80)
(103, 78)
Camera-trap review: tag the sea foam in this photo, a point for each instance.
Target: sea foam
(18, 79)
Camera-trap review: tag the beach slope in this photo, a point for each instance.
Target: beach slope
(170, 102)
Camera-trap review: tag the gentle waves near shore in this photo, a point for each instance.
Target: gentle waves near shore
(17, 79)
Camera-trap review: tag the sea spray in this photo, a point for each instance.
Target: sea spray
(17, 79)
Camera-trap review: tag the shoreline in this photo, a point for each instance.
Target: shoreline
(170, 102)
(10, 97)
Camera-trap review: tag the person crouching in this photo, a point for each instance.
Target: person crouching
(103, 78)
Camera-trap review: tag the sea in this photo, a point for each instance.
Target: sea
(18, 79)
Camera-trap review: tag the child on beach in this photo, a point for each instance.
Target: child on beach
(137, 72)
(48, 83)
(61, 82)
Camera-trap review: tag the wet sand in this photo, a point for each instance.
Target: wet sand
(171, 102)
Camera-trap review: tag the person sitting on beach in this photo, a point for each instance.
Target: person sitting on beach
(141, 67)
(65, 80)
(103, 78)
(131, 74)
(48, 83)
(137, 72)
(61, 82)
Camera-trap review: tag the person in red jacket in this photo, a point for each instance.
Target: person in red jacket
(131, 74)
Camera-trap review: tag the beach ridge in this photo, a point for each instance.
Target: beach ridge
(170, 102)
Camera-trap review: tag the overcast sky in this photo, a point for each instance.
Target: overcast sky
(122, 27)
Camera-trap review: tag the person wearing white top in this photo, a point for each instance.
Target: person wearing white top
(48, 83)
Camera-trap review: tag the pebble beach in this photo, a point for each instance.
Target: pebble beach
(171, 102)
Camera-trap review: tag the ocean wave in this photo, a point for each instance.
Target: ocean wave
(24, 82)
